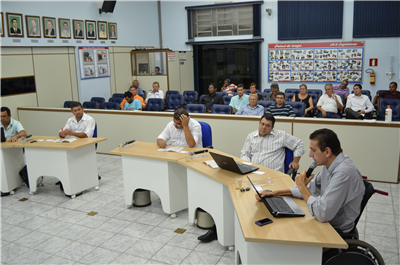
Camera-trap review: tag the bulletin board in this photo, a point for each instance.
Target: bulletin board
(316, 62)
(94, 62)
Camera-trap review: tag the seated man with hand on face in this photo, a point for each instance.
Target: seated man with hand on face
(131, 103)
(12, 129)
(329, 103)
(81, 125)
(338, 185)
(280, 108)
(182, 130)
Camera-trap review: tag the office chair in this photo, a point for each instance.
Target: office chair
(118, 95)
(267, 90)
(140, 92)
(298, 107)
(263, 94)
(289, 95)
(292, 90)
(266, 104)
(206, 135)
(394, 105)
(289, 159)
(116, 100)
(110, 105)
(221, 109)
(201, 97)
(167, 95)
(90, 105)
(155, 104)
(99, 100)
(364, 92)
(195, 108)
(227, 99)
(247, 91)
(189, 97)
(174, 102)
(221, 94)
(67, 104)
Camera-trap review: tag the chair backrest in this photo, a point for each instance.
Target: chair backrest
(364, 92)
(195, 108)
(227, 99)
(266, 104)
(189, 97)
(221, 94)
(118, 95)
(221, 109)
(90, 105)
(99, 100)
(369, 191)
(394, 105)
(292, 90)
(206, 134)
(379, 91)
(174, 102)
(314, 91)
(263, 94)
(298, 107)
(168, 94)
(247, 91)
(289, 95)
(288, 158)
(140, 92)
(155, 104)
(201, 97)
(110, 105)
(267, 90)
(315, 98)
(116, 100)
(95, 131)
(67, 104)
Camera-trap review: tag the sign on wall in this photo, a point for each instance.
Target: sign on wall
(94, 62)
(315, 62)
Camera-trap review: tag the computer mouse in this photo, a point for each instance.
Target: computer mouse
(247, 188)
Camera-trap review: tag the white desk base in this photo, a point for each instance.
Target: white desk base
(12, 161)
(264, 253)
(214, 198)
(167, 179)
(76, 169)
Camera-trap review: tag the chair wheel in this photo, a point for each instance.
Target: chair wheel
(231, 248)
(173, 215)
(73, 196)
(96, 188)
(12, 192)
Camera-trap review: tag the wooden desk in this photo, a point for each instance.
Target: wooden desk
(74, 164)
(302, 237)
(146, 168)
(12, 161)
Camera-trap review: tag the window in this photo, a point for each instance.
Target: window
(150, 62)
(17, 85)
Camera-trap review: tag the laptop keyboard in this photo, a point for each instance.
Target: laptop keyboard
(278, 204)
(244, 168)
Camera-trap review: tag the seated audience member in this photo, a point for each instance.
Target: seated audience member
(392, 93)
(280, 108)
(335, 193)
(329, 103)
(212, 98)
(157, 70)
(358, 104)
(274, 90)
(133, 90)
(81, 125)
(252, 108)
(12, 128)
(131, 103)
(135, 84)
(266, 147)
(155, 92)
(182, 130)
(228, 87)
(240, 99)
(253, 90)
(306, 99)
(342, 89)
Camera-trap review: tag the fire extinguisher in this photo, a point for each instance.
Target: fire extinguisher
(371, 76)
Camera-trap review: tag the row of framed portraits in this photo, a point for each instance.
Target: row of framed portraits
(78, 29)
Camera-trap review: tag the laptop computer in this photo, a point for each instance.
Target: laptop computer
(3, 137)
(280, 206)
(228, 163)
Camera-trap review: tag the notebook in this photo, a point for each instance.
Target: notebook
(228, 163)
(280, 206)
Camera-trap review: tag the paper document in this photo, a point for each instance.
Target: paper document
(211, 163)
(247, 163)
(258, 172)
(49, 140)
(171, 149)
(69, 140)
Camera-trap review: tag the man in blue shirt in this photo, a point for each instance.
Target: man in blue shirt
(280, 108)
(252, 108)
(131, 103)
(240, 99)
(12, 129)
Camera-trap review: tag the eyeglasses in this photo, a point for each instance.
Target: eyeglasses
(177, 124)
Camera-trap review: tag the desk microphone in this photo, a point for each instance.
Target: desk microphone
(198, 152)
(126, 143)
(28, 136)
(311, 169)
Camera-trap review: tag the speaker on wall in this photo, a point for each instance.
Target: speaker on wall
(107, 7)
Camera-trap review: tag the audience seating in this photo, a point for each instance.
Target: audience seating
(289, 95)
(394, 105)
(117, 100)
(90, 105)
(155, 104)
(174, 102)
(364, 92)
(227, 99)
(379, 91)
(222, 94)
(206, 135)
(263, 94)
(298, 107)
(266, 104)
(190, 97)
(195, 108)
(267, 90)
(118, 95)
(67, 104)
(99, 100)
(168, 94)
(292, 90)
(141, 93)
(221, 109)
(201, 97)
(110, 105)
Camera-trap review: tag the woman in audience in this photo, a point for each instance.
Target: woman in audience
(307, 99)
(253, 90)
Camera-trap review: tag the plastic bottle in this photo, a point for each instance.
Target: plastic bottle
(388, 114)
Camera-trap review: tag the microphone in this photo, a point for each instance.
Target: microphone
(198, 152)
(28, 136)
(311, 169)
(126, 143)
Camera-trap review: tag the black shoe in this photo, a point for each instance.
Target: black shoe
(209, 236)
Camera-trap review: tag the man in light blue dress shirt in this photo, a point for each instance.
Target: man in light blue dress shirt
(12, 129)
(252, 108)
(240, 99)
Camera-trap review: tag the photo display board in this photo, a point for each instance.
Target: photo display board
(94, 62)
(315, 62)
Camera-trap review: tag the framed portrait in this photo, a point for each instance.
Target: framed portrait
(33, 26)
(64, 26)
(14, 25)
(112, 30)
(79, 28)
(49, 27)
(90, 29)
(102, 29)
(1, 25)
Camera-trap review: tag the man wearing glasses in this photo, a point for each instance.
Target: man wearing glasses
(182, 130)
(213, 98)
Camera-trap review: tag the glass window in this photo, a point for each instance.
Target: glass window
(149, 63)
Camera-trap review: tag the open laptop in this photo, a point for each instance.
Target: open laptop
(280, 206)
(3, 137)
(228, 163)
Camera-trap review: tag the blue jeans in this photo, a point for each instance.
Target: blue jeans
(329, 115)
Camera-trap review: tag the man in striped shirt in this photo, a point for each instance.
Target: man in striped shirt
(266, 146)
(280, 108)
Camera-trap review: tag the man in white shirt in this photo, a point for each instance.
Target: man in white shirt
(358, 104)
(329, 103)
(156, 92)
(182, 130)
(81, 125)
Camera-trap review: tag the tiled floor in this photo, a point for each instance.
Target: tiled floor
(50, 228)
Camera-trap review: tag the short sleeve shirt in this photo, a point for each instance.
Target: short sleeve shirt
(177, 136)
(13, 128)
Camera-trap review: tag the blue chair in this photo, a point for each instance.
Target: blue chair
(90, 105)
(266, 104)
(201, 97)
(221, 109)
(110, 105)
(394, 105)
(95, 132)
(267, 90)
(298, 107)
(189, 97)
(118, 95)
(206, 135)
(174, 102)
(292, 90)
(247, 91)
(221, 94)
(227, 99)
(289, 159)
(167, 95)
(364, 92)
(195, 108)
(140, 92)
(263, 94)
(289, 95)
(116, 100)
(67, 104)
(379, 91)
(99, 100)
(314, 91)
(234, 93)
(155, 104)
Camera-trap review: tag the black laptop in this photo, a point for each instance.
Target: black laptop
(228, 163)
(3, 137)
(280, 206)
